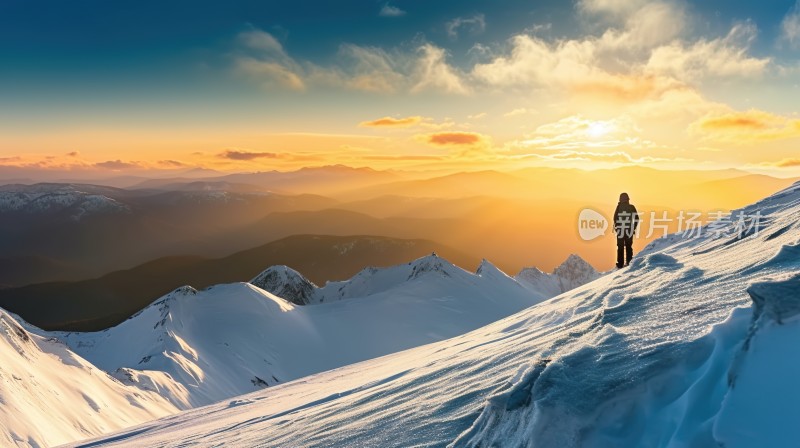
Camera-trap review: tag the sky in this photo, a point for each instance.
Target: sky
(127, 87)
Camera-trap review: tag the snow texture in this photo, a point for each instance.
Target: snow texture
(49, 395)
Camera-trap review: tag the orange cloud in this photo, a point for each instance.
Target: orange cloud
(392, 122)
(246, 155)
(455, 138)
(787, 163)
(747, 126)
(117, 165)
(733, 121)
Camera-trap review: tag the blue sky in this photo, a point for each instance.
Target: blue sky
(508, 70)
(101, 41)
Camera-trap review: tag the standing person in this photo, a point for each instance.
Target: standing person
(626, 220)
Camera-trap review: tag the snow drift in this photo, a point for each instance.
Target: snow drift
(694, 344)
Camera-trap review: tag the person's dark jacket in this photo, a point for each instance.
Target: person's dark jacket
(626, 219)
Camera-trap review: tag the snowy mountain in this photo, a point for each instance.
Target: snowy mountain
(294, 287)
(570, 274)
(76, 200)
(49, 395)
(693, 344)
(227, 340)
(287, 283)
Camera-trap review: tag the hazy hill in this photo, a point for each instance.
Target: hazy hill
(98, 229)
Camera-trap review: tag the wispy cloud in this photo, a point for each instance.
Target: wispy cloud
(260, 57)
(474, 25)
(247, 155)
(790, 26)
(117, 165)
(391, 11)
(392, 122)
(516, 112)
(788, 163)
(432, 72)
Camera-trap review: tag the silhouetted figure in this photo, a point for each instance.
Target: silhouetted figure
(626, 220)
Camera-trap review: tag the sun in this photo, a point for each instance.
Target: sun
(597, 129)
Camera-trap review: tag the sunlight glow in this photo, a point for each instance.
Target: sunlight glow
(596, 129)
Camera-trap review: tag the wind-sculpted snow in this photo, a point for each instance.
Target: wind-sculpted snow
(667, 352)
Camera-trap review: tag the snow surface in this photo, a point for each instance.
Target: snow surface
(673, 351)
(199, 347)
(49, 395)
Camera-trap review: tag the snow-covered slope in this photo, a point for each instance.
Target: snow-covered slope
(49, 395)
(694, 344)
(570, 274)
(232, 339)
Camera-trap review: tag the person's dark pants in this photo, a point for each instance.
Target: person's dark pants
(624, 250)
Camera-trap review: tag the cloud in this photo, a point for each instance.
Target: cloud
(247, 155)
(369, 69)
(477, 116)
(787, 163)
(261, 40)
(432, 72)
(516, 112)
(271, 73)
(610, 157)
(461, 144)
(579, 133)
(393, 122)
(172, 163)
(409, 157)
(262, 59)
(474, 25)
(790, 26)
(721, 57)
(612, 7)
(117, 165)
(391, 11)
(73, 154)
(639, 58)
(747, 126)
(454, 138)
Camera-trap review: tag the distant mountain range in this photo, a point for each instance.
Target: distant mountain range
(95, 229)
(101, 302)
(68, 232)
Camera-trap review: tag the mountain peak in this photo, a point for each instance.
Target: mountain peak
(575, 271)
(487, 268)
(285, 282)
(431, 264)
